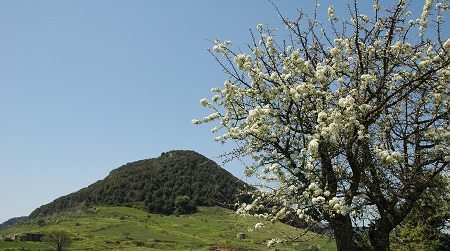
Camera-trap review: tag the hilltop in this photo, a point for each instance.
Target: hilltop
(153, 185)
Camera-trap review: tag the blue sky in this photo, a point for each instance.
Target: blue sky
(87, 86)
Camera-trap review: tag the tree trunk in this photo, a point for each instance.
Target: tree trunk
(379, 236)
(343, 233)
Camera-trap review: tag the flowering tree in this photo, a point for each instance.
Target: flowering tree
(346, 122)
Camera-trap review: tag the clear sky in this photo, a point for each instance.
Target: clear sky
(87, 86)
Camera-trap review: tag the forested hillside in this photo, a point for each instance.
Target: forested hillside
(154, 184)
(12, 221)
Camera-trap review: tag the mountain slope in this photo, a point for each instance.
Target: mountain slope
(153, 184)
(12, 222)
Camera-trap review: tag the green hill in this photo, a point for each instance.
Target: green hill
(153, 185)
(124, 228)
(12, 221)
(132, 209)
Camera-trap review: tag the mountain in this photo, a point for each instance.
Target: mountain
(13, 221)
(153, 185)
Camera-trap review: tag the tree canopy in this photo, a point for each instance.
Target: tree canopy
(59, 238)
(346, 121)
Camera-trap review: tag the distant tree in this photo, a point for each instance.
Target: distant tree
(184, 205)
(424, 227)
(59, 238)
(344, 122)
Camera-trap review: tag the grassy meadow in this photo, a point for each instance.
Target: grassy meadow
(123, 228)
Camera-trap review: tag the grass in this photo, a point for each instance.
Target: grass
(21, 245)
(123, 228)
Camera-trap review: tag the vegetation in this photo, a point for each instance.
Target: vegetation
(103, 228)
(184, 205)
(347, 122)
(154, 185)
(12, 221)
(424, 227)
(24, 246)
(60, 239)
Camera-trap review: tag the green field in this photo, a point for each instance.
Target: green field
(21, 245)
(123, 228)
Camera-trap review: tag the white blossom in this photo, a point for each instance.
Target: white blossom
(330, 12)
(313, 146)
(446, 45)
(425, 13)
(204, 102)
(259, 27)
(377, 7)
(321, 116)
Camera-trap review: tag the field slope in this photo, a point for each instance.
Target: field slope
(123, 228)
